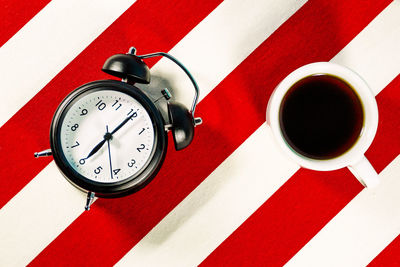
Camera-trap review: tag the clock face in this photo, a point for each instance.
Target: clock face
(107, 136)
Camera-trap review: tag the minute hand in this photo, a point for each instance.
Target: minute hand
(99, 145)
(122, 124)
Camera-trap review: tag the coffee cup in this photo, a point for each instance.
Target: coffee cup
(324, 117)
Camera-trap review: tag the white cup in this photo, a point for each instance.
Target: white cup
(354, 157)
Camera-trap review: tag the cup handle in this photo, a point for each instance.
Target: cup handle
(365, 173)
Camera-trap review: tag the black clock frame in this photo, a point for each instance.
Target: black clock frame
(133, 183)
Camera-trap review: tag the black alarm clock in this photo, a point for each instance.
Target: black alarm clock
(108, 138)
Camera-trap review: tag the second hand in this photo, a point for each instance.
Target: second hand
(109, 153)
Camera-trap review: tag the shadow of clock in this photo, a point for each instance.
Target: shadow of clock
(153, 90)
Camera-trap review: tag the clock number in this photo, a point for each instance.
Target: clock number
(131, 163)
(98, 170)
(82, 161)
(142, 131)
(142, 146)
(77, 144)
(116, 171)
(119, 105)
(101, 105)
(134, 114)
(74, 127)
(84, 112)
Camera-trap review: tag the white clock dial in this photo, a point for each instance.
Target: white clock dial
(85, 125)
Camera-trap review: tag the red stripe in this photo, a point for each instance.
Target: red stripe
(308, 201)
(386, 145)
(390, 256)
(231, 112)
(15, 14)
(148, 25)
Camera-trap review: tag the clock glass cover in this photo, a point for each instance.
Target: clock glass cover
(86, 123)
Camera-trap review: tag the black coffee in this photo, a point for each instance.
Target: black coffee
(321, 116)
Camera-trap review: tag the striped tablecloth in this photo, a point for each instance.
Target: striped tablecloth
(232, 198)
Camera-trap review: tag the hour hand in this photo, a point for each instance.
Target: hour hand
(96, 148)
(106, 137)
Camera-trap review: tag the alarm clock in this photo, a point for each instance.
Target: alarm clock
(109, 139)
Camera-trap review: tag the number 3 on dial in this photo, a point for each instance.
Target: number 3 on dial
(131, 163)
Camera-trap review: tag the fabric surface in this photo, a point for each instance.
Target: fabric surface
(232, 198)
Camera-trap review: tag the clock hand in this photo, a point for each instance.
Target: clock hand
(108, 136)
(109, 153)
(96, 148)
(122, 123)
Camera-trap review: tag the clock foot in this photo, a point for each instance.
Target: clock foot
(89, 201)
(43, 153)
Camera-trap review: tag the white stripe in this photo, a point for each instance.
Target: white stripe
(209, 214)
(49, 42)
(22, 226)
(381, 39)
(251, 174)
(257, 30)
(361, 230)
(221, 42)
